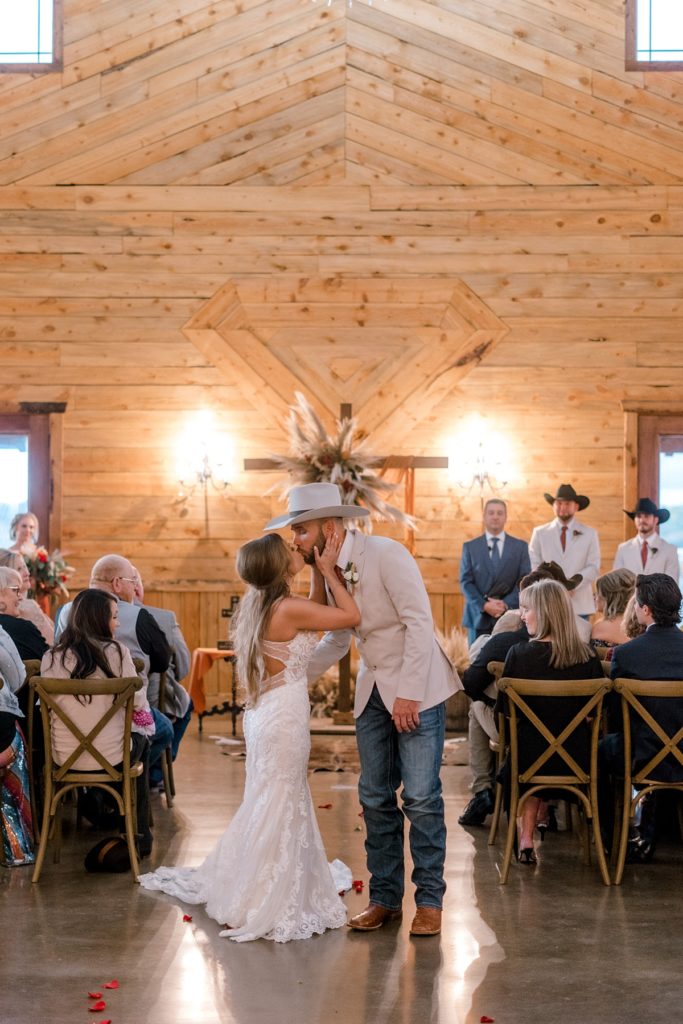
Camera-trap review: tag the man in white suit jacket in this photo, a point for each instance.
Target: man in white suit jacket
(647, 552)
(403, 682)
(570, 543)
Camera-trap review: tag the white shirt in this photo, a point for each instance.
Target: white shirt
(500, 537)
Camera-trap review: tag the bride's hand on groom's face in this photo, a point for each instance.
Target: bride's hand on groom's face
(326, 561)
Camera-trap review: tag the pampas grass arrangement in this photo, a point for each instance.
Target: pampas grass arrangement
(342, 459)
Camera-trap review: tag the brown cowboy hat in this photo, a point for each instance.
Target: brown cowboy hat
(647, 507)
(565, 492)
(556, 572)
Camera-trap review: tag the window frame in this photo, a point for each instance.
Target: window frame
(632, 62)
(57, 62)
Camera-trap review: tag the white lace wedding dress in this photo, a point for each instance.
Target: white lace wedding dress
(268, 876)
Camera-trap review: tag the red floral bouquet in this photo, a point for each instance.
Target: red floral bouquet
(48, 573)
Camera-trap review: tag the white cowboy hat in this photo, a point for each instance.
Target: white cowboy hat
(315, 501)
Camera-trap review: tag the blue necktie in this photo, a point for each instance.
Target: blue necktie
(495, 555)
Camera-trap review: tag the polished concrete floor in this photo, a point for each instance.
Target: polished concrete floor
(552, 945)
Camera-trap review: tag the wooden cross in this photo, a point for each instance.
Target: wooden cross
(407, 464)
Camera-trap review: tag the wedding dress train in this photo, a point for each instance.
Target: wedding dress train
(268, 875)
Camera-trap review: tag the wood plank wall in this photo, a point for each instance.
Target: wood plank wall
(190, 145)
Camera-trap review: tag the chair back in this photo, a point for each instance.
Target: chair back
(32, 667)
(653, 729)
(561, 750)
(122, 692)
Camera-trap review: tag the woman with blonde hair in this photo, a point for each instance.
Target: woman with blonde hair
(268, 876)
(554, 651)
(613, 591)
(28, 608)
(23, 530)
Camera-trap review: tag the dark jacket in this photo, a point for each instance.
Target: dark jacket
(656, 654)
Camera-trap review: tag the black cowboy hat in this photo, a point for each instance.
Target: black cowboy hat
(556, 572)
(647, 507)
(565, 492)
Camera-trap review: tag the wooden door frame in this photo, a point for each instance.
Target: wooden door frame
(643, 426)
(42, 423)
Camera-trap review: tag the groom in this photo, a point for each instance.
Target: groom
(403, 682)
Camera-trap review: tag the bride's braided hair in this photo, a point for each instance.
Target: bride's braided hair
(263, 565)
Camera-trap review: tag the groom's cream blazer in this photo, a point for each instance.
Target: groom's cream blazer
(395, 639)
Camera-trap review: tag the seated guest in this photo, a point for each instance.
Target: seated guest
(16, 825)
(25, 635)
(87, 650)
(554, 651)
(629, 622)
(613, 591)
(28, 608)
(482, 725)
(479, 685)
(656, 654)
(136, 629)
(23, 530)
(177, 704)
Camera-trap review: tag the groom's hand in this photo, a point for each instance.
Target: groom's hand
(405, 714)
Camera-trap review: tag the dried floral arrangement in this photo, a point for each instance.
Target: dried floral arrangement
(343, 459)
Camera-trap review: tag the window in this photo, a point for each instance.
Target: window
(31, 36)
(13, 481)
(654, 35)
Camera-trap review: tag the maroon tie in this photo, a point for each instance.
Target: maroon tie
(643, 553)
(339, 573)
(563, 538)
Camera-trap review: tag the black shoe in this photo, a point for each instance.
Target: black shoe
(478, 808)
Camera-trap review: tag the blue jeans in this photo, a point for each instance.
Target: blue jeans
(389, 758)
(162, 737)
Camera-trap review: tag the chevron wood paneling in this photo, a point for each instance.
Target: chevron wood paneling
(411, 92)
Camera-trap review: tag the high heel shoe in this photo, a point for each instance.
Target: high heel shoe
(527, 856)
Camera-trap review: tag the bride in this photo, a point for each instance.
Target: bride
(268, 876)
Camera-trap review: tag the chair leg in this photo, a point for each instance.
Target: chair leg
(623, 838)
(495, 818)
(44, 832)
(130, 819)
(510, 838)
(57, 833)
(167, 773)
(597, 833)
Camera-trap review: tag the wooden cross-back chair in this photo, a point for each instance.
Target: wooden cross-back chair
(566, 761)
(639, 715)
(117, 779)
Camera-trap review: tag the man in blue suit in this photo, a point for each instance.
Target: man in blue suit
(490, 569)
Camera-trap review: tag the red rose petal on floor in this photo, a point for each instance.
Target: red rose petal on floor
(362, 814)
(104, 1022)
(94, 995)
(98, 1006)
(357, 885)
(112, 984)
(486, 1020)
(186, 917)
(324, 807)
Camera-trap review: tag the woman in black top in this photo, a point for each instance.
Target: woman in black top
(555, 651)
(28, 640)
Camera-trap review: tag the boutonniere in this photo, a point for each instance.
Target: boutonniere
(577, 533)
(350, 573)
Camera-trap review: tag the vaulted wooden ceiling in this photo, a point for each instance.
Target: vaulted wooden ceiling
(294, 91)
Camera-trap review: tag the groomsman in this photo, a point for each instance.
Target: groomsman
(490, 569)
(647, 552)
(570, 543)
